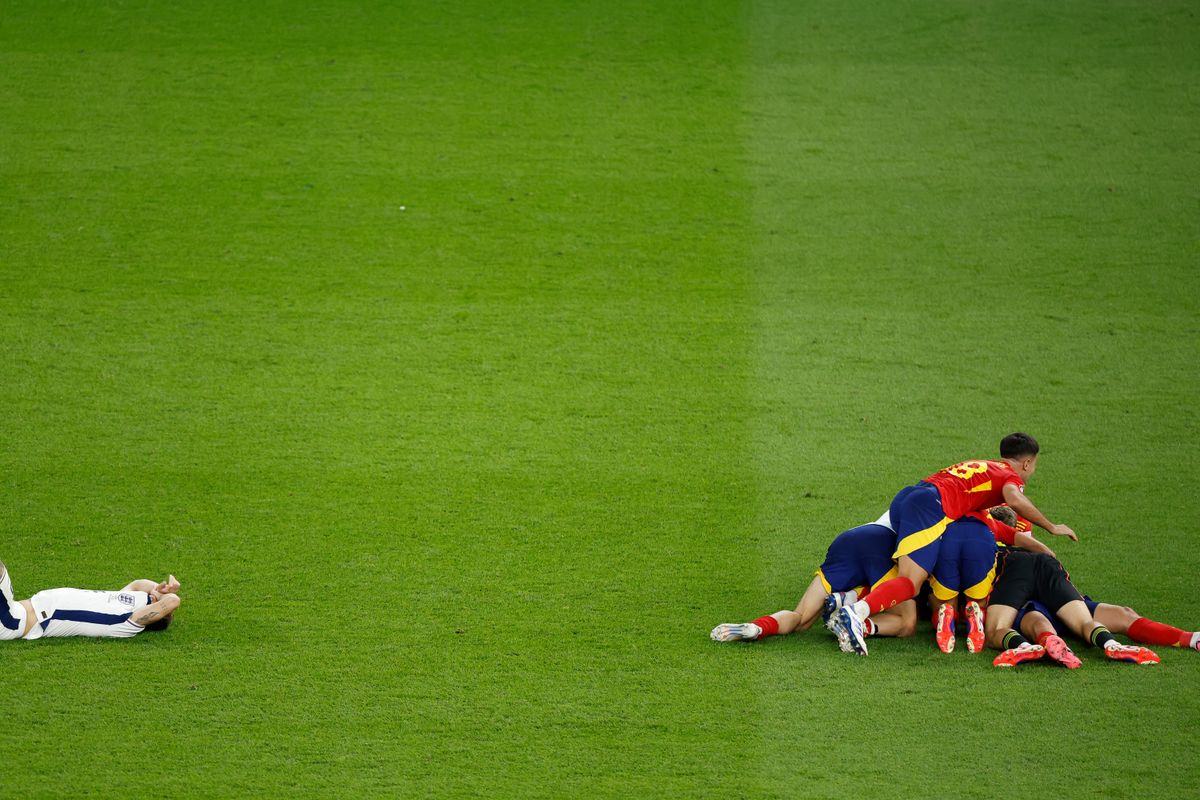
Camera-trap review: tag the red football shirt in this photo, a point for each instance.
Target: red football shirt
(973, 485)
(1005, 534)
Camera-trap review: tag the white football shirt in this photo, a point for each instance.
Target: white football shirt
(86, 612)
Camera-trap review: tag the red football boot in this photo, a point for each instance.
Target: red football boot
(1058, 651)
(975, 637)
(1019, 655)
(1131, 653)
(943, 627)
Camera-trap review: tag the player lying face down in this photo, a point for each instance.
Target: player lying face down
(858, 558)
(141, 605)
(1022, 577)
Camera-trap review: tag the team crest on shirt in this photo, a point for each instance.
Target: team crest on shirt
(125, 599)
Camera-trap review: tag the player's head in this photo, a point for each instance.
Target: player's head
(169, 603)
(161, 624)
(1004, 514)
(1021, 451)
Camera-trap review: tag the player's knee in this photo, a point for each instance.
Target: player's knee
(908, 626)
(806, 620)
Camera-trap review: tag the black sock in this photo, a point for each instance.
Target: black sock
(1101, 636)
(1013, 639)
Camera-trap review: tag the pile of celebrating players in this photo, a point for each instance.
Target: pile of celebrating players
(959, 546)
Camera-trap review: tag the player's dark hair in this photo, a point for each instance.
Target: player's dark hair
(160, 624)
(1016, 445)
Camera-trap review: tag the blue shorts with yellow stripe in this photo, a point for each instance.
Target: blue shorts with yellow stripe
(860, 557)
(917, 516)
(966, 561)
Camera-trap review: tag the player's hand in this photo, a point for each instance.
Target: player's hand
(1063, 530)
(169, 586)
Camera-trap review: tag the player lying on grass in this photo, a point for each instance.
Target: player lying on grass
(857, 558)
(1035, 622)
(142, 605)
(921, 513)
(1034, 619)
(966, 563)
(1022, 576)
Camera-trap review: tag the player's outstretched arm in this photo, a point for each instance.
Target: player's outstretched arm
(156, 610)
(1026, 541)
(1025, 507)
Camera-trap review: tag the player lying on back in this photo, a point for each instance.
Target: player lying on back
(1036, 622)
(921, 513)
(142, 605)
(1022, 576)
(857, 558)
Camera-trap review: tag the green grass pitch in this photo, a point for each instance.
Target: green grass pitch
(469, 361)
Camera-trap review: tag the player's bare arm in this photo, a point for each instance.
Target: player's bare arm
(155, 611)
(1025, 507)
(1027, 541)
(169, 586)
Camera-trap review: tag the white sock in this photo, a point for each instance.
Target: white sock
(752, 627)
(1195, 643)
(851, 598)
(860, 609)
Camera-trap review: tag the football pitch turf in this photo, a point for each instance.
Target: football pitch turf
(469, 362)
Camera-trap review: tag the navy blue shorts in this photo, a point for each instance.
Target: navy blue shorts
(917, 515)
(860, 557)
(1059, 627)
(966, 561)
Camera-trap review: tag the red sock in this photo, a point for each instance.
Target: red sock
(889, 593)
(1043, 636)
(868, 627)
(769, 625)
(1147, 631)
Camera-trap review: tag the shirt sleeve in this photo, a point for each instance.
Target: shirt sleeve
(1005, 534)
(1008, 476)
